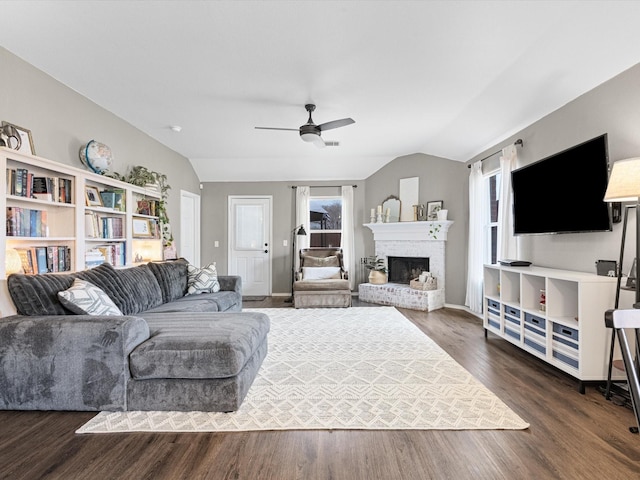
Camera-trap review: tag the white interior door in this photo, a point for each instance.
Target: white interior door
(250, 243)
(190, 227)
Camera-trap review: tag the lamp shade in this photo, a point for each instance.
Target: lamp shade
(12, 263)
(624, 181)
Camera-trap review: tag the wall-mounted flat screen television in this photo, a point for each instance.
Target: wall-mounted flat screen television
(563, 193)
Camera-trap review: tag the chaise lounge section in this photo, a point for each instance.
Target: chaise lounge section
(166, 350)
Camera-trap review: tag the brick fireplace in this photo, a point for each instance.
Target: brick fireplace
(409, 240)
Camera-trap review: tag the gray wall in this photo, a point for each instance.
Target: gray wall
(61, 121)
(215, 220)
(612, 108)
(440, 179)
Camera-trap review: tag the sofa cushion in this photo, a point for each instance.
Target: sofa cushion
(84, 298)
(202, 280)
(320, 273)
(133, 290)
(172, 278)
(190, 303)
(321, 285)
(311, 261)
(198, 345)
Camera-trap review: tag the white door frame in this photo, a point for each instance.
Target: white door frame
(230, 227)
(194, 231)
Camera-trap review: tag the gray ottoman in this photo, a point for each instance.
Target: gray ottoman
(197, 361)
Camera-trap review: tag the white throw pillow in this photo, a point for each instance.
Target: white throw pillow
(202, 280)
(320, 273)
(84, 298)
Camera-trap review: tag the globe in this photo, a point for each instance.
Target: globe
(96, 156)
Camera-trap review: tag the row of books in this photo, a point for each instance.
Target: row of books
(22, 183)
(45, 259)
(103, 226)
(114, 253)
(26, 222)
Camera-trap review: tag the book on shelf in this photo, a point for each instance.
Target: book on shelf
(25, 260)
(22, 183)
(26, 222)
(41, 259)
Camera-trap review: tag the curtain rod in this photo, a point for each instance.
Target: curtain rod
(516, 143)
(322, 186)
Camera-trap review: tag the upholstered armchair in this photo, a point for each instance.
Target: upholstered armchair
(321, 280)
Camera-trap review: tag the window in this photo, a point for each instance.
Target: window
(325, 221)
(493, 181)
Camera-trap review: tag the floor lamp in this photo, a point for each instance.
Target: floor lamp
(624, 186)
(299, 230)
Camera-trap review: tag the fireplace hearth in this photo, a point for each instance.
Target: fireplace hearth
(405, 269)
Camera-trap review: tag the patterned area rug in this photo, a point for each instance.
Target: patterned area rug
(344, 368)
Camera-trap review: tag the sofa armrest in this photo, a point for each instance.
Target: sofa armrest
(67, 362)
(230, 283)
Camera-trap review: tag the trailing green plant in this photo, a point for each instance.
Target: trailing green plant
(141, 176)
(434, 228)
(375, 263)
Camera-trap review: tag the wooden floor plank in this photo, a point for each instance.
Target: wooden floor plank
(572, 436)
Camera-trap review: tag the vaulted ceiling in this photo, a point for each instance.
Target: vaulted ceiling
(445, 78)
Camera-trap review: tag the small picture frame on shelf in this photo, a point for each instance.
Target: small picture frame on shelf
(92, 195)
(433, 208)
(108, 199)
(144, 207)
(142, 228)
(26, 145)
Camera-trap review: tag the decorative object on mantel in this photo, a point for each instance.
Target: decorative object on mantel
(96, 156)
(433, 208)
(143, 177)
(442, 215)
(378, 270)
(419, 213)
(391, 208)
(409, 188)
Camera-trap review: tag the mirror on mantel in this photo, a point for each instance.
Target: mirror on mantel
(391, 205)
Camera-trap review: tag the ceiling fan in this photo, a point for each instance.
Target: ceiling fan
(310, 132)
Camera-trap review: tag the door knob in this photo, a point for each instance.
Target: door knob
(266, 251)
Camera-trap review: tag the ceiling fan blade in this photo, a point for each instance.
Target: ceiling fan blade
(277, 128)
(336, 124)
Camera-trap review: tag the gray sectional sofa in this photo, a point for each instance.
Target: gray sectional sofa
(167, 351)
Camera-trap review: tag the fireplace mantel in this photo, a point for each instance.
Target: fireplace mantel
(410, 230)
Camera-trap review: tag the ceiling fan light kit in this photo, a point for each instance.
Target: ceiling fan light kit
(311, 133)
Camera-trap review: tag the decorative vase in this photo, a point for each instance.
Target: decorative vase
(377, 278)
(442, 215)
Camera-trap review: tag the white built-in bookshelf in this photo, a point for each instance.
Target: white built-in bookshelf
(71, 219)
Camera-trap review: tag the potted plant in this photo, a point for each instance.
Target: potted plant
(377, 269)
(143, 177)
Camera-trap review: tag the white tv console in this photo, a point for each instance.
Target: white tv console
(569, 333)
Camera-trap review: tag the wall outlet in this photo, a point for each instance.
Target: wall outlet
(285, 243)
(216, 244)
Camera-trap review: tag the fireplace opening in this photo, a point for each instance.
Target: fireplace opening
(405, 269)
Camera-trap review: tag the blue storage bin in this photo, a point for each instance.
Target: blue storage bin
(535, 345)
(564, 331)
(534, 320)
(565, 359)
(514, 312)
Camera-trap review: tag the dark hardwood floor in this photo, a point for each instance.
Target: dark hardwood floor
(572, 436)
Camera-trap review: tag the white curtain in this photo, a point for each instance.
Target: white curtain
(507, 245)
(302, 218)
(478, 215)
(348, 229)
